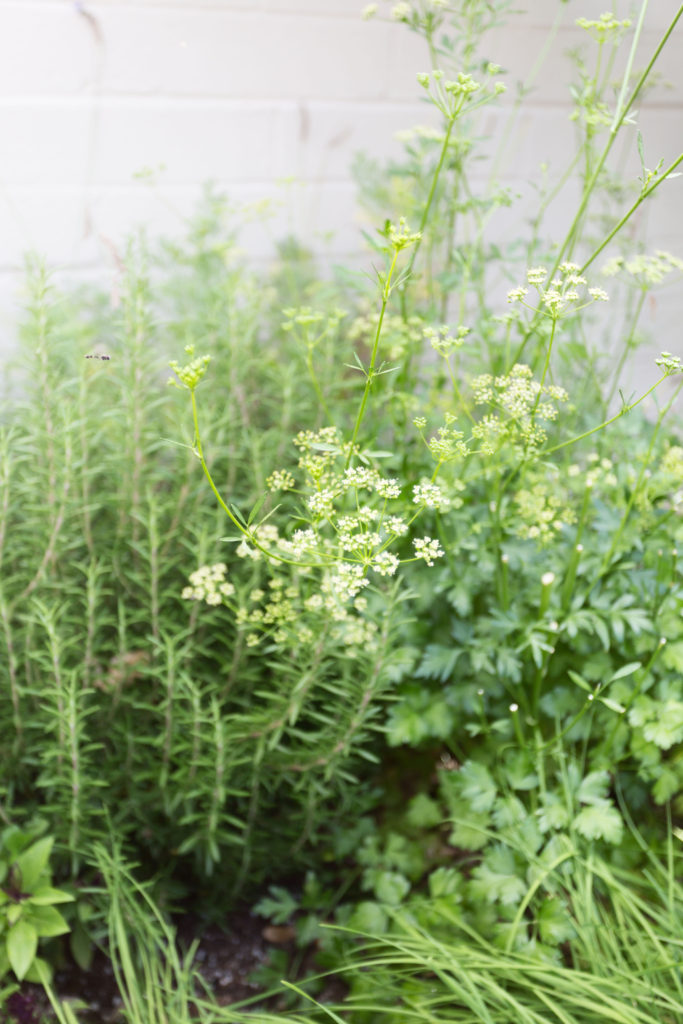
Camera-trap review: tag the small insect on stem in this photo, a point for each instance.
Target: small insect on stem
(95, 355)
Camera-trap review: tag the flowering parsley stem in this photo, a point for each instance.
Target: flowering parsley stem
(626, 349)
(629, 213)
(635, 490)
(425, 212)
(369, 377)
(619, 118)
(605, 423)
(233, 519)
(316, 385)
(545, 369)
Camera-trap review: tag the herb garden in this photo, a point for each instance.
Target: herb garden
(368, 630)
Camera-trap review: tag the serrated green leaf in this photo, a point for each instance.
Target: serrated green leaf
(423, 812)
(368, 917)
(667, 729)
(390, 887)
(21, 944)
(438, 662)
(445, 882)
(593, 788)
(497, 879)
(600, 822)
(555, 924)
(468, 833)
(667, 785)
(477, 786)
(278, 907)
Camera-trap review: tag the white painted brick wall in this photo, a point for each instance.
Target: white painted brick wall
(246, 93)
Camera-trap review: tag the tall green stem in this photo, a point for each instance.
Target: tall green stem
(370, 374)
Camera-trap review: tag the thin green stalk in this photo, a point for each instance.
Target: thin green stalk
(370, 374)
(425, 212)
(627, 346)
(231, 516)
(635, 490)
(621, 112)
(622, 109)
(632, 209)
(601, 426)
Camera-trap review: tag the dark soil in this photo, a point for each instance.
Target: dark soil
(225, 959)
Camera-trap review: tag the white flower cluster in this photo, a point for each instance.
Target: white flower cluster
(429, 495)
(559, 295)
(523, 401)
(443, 342)
(280, 480)
(428, 549)
(645, 269)
(208, 583)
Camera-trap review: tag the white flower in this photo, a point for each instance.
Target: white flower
(428, 549)
(397, 526)
(430, 495)
(536, 275)
(387, 488)
(385, 563)
(401, 12)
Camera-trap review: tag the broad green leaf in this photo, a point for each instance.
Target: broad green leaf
(82, 948)
(45, 895)
(22, 944)
(46, 920)
(39, 972)
(33, 862)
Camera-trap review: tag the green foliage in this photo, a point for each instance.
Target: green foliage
(28, 901)
(436, 661)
